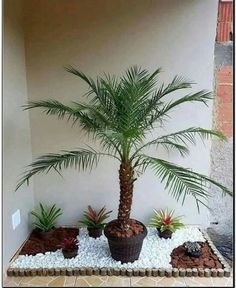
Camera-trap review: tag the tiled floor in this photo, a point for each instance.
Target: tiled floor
(114, 281)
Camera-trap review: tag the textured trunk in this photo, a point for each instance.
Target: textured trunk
(126, 175)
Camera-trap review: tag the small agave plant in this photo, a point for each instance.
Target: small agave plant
(165, 222)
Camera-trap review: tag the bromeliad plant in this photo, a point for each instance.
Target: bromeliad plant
(165, 221)
(45, 217)
(69, 247)
(120, 113)
(95, 221)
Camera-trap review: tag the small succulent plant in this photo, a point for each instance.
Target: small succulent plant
(69, 244)
(193, 248)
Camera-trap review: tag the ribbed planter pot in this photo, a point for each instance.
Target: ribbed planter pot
(126, 249)
(70, 254)
(95, 232)
(165, 234)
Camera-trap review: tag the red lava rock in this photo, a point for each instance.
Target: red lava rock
(179, 258)
(209, 263)
(134, 229)
(129, 233)
(36, 245)
(218, 265)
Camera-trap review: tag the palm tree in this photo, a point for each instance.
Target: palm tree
(119, 115)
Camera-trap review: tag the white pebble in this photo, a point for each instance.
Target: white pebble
(95, 252)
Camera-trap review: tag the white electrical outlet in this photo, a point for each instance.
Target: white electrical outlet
(15, 219)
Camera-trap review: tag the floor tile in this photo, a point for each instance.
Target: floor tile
(223, 282)
(170, 282)
(11, 281)
(57, 282)
(143, 281)
(96, 281)
(157, 282)
(115, 281)
(70, 281)
(81, 282)
(38, 281)
(198, 281)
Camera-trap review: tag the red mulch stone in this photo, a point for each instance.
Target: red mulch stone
(134, 229)
(179, 258)
(36, 245)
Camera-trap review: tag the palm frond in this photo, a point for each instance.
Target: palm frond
(79, 159)
(158, 114)
(177, 83)
(82, 76)
(202, 96)
(182, 181)
(170, 145)
(184, 137)
(53, 107)
(189, 135)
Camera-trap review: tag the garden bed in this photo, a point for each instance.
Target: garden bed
(94, 258)
(35, 244)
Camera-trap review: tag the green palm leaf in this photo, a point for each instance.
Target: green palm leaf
(184, 137)
(182, 181)
(79, 159)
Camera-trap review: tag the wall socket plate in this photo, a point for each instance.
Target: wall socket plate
(15, 219)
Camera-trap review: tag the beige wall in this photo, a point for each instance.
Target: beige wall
(97, 36)
(110, 36)
(16, 130)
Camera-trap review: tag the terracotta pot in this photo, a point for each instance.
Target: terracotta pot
(70, 254)
(95, 232)
(165, 234)
(46, 235)
(126, 249)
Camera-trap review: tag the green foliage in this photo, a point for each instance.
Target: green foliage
(93, 219)
(45, 217)
(118, 114)
(164, 220)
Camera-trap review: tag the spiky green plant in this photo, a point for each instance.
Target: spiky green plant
(119, 114)
(165, 220)
(45, 217)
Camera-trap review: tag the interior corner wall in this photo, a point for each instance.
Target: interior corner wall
(110, 36)
(16, 131)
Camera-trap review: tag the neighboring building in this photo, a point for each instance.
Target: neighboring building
(221, 215)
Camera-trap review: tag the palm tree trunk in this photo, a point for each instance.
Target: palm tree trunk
(126, 175)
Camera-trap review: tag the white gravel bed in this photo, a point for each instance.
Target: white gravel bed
(95, 252)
